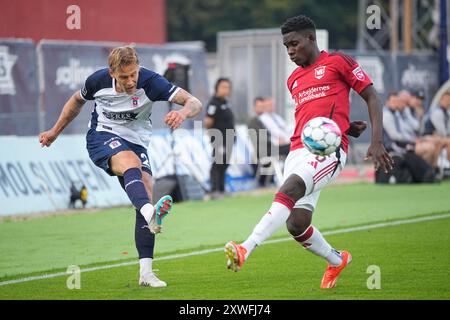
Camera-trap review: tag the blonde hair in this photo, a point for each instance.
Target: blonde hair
(122, 56)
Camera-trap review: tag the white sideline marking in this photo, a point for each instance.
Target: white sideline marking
(195, 253)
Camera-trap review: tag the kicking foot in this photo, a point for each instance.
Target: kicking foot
(162, 209)
(235, 256)
(332, 273)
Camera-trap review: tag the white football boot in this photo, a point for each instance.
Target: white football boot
(151, 280)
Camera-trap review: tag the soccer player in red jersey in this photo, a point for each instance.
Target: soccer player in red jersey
(320, 87)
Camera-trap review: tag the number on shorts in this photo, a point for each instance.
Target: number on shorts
(320, 158)
(144, 160)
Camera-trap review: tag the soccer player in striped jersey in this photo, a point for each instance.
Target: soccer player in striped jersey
(119, 135)
(320, 87)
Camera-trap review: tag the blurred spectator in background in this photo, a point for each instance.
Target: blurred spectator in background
(277, 127)
(411, 111)
(426, 146)
(395, 141)
(438, 121)
(400, 135)
(437, 125)
(260, 138)
(83, 195)
(74, 195)
(416, 104)
(258, 110)
(219, 116)
(410, 124)
(77, 194)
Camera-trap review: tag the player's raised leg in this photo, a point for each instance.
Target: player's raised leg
(293, 205)
(138, 186)
(128, 165)
(317, 173)
(145, 240)
(291, 190)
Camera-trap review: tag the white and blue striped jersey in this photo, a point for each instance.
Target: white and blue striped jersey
(127, 116)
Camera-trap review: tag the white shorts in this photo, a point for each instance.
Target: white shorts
(316, 172)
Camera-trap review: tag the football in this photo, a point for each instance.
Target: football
(321, 136)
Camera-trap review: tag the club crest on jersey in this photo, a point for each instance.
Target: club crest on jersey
(135, 101)
(359, 73)
(114, 144)
(319, 72)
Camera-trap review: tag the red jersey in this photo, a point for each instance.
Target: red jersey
(322, 90)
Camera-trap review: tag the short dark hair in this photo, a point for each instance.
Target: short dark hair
(219, 81)
(392, 93)
(259, 98)
(419, 94)
(298, 23)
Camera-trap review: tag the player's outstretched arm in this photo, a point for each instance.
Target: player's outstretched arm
(191, 107)
(376, 151)
(70, 110)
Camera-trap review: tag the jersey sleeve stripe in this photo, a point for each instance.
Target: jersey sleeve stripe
(174, 93)
(81, 95)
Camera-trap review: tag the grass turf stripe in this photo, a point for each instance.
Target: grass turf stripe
(200, 252)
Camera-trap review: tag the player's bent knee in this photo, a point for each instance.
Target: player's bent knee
(294, 187)
(292, 227)
(298, 221)
(123, 161)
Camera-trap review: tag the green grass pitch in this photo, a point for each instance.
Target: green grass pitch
(413, 258)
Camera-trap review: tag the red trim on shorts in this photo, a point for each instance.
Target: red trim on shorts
(306, 235)
(325, 168)
(322, 173)
(285, 200)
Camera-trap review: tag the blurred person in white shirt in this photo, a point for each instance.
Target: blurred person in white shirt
(437, 124)
(276, 126)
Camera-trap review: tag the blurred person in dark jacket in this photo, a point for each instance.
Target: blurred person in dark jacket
(219, 116)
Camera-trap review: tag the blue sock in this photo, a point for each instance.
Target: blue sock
(145, 240)
(135, 188)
